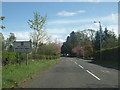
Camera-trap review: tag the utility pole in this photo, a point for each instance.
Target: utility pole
(100, 28)
(83, 47)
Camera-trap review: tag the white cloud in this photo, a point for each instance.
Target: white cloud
(66, 13)
(68, 21)
(113, 28)
(57, 30)
(22, 35)
(81, 11)
(112, 18)
(61, 40)
(57, 37)
(19, 35)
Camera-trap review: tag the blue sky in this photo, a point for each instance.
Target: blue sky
(63, 17)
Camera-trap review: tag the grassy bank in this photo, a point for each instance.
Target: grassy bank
(13, 74)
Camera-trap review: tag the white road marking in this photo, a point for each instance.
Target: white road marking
(80, 66)
(88, 71)
(75, 63)
(93, 75)
(104, 71)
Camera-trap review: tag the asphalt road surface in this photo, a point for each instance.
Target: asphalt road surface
(74, 73)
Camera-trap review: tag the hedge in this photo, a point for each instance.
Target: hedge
(12, 57)
(8, 57)
(109, 54)
(43, 57)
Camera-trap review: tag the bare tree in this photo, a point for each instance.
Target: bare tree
(39, 35)
(90, 33)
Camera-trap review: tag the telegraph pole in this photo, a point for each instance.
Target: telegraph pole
(100, 29)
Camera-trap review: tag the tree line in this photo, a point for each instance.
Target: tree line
(86, 42)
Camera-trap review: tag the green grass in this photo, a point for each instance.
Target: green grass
(13, 74)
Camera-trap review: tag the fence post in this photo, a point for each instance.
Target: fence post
(27, 59)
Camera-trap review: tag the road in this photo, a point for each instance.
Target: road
(74, 73)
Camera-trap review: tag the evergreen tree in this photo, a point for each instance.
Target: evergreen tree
(70, 43)
(109, 40)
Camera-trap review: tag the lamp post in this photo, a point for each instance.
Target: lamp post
(2, 18)
(100, 28)
(83, 47)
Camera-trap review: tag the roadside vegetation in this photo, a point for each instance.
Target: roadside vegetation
(100, 46)
(109, 56)
(13, 74)
(44, 54)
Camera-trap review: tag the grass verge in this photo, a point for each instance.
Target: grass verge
(13, 74)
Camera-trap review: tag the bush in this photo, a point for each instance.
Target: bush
(8, 57)
(5, 57)
(12, 57)
(30, 56)
(43, 57)
(109, 55)
(22, 56)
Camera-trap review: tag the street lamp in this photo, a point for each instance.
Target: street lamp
(2, 18)
(2, 27)
(100, 28)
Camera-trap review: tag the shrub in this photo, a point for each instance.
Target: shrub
(8, 57)
(4, 57)
(12, 57)
(109, 54)
(30, 56)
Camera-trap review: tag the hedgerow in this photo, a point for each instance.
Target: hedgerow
(13, 58)
(109, 55)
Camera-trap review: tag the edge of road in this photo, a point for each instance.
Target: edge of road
(35, 75)
(100, 64)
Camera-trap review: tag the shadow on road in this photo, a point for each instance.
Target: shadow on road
(117, 67)
(105, 65)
